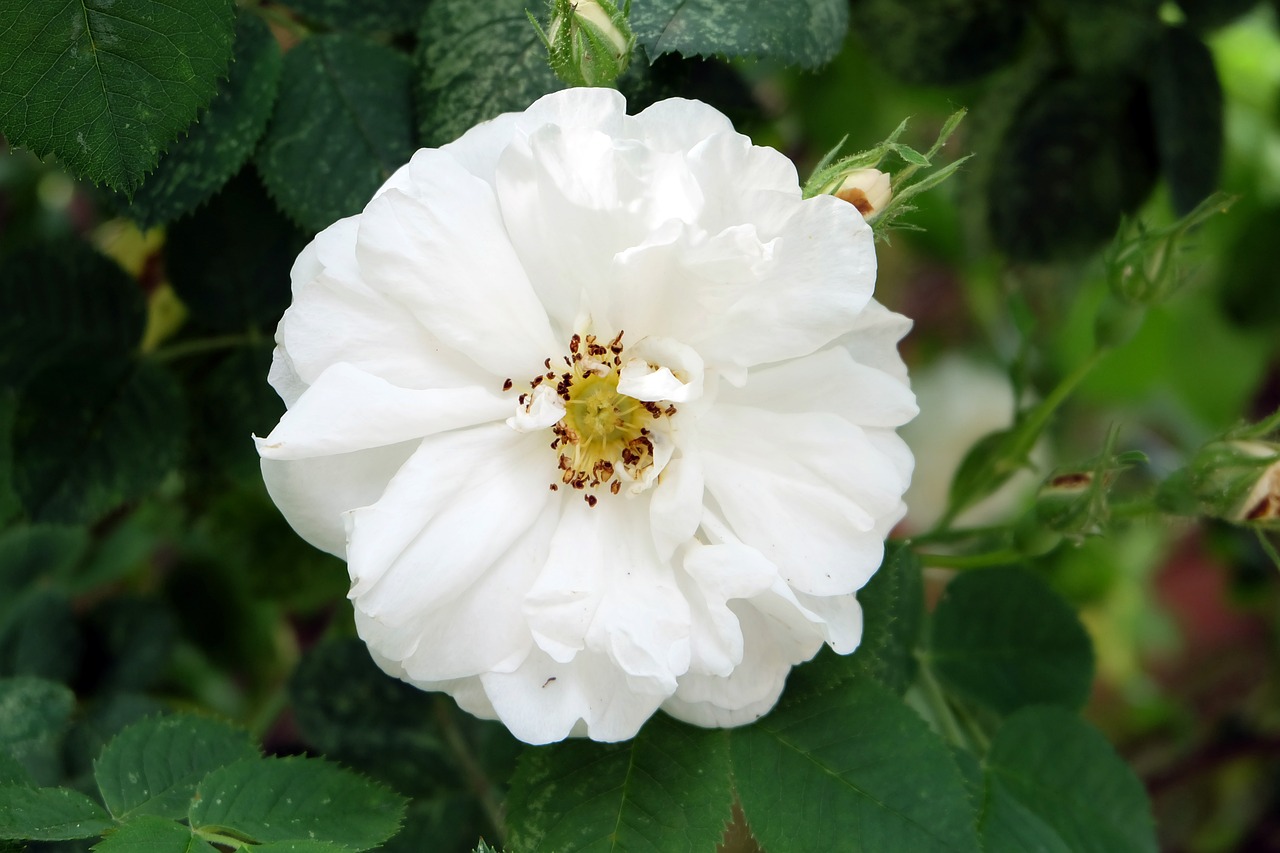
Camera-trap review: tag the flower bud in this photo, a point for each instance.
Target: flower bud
(866, 189)
(1238, 481)
(589, 41)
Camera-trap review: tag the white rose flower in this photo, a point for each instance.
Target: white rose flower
(600, 413)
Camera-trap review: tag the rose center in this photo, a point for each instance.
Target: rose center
(604, 438)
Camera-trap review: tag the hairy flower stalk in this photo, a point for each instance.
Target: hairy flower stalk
(600, 412)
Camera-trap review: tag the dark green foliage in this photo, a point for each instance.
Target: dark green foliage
(398, 16)
(855, 765)
(224, 136)
(49, 814)
(342, 125)
(1249, 295)
(375, 723)
(893, 612)
(295, 800)
(807, 33)
(229, 261)
(1186, 103)
(39, 637)
(153, 767)
(666, 791)
(1003, 638)
(1209, 14)
(1053, 783)
(940, 42)
(477, 60)
(34, 716)
(59, 298)
(106, 86)
(1076, 156)
(93, 432)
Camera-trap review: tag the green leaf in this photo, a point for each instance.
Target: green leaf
(939, 42)
(222, 138)
(105, 86)
(229, 261)
(153, 767)
(343, 124)
(478, 60)
(665, 791)
(64, 295)
(1186, 102)
(34, 716)
(892, 612)
(375, 723)
(35, 551)
(39, 637)
(49, 814)
(150, 834)
(97, 725)
(9, 503)
(296, 799)
(808, 33)
(1053, 783)
(1003, 638)
(1075, 157)
(300, 847)
(853, 769)
(368, 16)
(92, 433)
(13, 773)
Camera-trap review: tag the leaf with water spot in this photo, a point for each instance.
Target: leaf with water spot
(802, 32)
(152, 767)
(297, 799)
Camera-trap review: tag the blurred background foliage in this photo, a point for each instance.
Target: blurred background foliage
(142, 564)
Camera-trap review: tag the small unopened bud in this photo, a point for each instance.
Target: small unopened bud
(589, 41)
(1074, 503)
(1238, 481)
(866, 189)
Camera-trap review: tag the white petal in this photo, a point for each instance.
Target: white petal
(313, 494)
(284, 378)
(716, 575)
(333, 321)
(749, 692)
(678, 124)
(604, 590)
(661, 369)
(448, 259)
(347, 409)
(543, 409)
(813, 286)
(461, 501)
(828, 381)
(874, 338)
(332, 251)
(810, 492)
(544, 700)
(675, 507)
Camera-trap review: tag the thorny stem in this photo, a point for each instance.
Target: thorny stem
(476, 778)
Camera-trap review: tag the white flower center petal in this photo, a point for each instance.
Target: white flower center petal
(605, 437)
(662, 369)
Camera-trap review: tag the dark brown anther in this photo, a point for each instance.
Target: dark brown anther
(574, 343)
(590, 499)
(537, 380)
(615, 486)
(506, 385)
(554, 487)
(546, 362)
